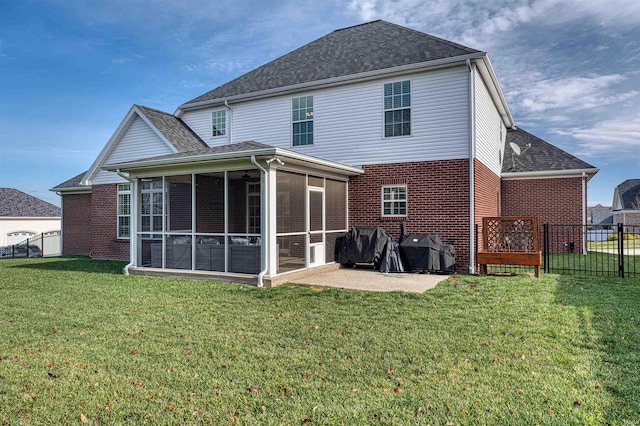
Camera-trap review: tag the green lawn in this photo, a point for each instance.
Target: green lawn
(613, 245)
(80, 343)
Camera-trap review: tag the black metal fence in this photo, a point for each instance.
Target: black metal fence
(45, 244)
(606, 250)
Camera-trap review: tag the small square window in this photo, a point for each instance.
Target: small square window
(394, 200)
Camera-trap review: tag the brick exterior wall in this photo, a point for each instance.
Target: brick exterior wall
(76, 224)
(438, 201)
(554, 201)
(487, 195)
(104, 224)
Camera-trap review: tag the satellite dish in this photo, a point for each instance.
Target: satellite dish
(515, 148)
(516, 153)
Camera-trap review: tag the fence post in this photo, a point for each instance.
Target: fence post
(27, 247)
(545, 248)
(620, 250)
(42, 244)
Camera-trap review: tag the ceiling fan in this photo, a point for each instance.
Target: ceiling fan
(247, 178)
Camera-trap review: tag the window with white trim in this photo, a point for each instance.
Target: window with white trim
(302, 119)
(397, 109)
(151, 207)
(218, 123)
(124, 210)
(394, 200)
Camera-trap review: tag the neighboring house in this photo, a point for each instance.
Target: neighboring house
(374, 124)
(626, 203)
(599, 214)
(23, 216)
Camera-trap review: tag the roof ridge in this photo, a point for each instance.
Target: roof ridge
(154, 109)
(358, 25)
(440, 39)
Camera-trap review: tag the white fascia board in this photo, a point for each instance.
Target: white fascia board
(335, 81)
(144, 118)
(195, 159)
(115, 138)
(109, 146)
(72, 190)
(549, 174)
(495, 90)
(14, 218)
(284, 154)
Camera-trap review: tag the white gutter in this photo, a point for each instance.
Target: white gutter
(125, 270)
(550, 174)
(203, 158)
(472, 154)
(264, 191)
(334, 81)
(226, 104)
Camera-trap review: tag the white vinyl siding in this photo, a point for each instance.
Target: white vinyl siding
(490, 131)
(200, 122)
(349, 121)
(139, 141)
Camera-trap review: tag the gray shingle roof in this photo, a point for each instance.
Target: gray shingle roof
(367, 47)
(629, 194)
(74, 182)
(540, 156)
(174, 129)
(15, 203)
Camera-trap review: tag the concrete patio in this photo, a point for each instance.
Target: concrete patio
(368, 279)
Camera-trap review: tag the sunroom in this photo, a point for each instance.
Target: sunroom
(241, 210)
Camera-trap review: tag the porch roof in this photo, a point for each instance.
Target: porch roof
(235, 151)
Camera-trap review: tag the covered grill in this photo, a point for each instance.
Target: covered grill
(363, 244)
(421, 252)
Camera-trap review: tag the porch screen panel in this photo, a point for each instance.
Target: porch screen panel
(178, 200)
(210, 203)
(336, 205)
(336, 215)
(290, 203)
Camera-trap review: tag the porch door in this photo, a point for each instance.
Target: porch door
(316, 227)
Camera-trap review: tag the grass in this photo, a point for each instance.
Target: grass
(81, 343)
(613, 245)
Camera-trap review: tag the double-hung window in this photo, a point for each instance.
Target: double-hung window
(397, 109)
(302, 119)
(124, 210)
(151, 207)
(218, 123)
(394, 200)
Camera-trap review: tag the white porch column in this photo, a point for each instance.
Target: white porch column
(133, 222)
(271, 223)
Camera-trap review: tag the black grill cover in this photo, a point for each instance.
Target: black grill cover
(391, 260)
(421, 252)
(363, 244)
(448, 258)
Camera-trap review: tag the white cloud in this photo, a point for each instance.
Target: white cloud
(571, 93)
(613, 138)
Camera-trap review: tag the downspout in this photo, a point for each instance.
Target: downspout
(125, 270)
(584, 212)
(472, 154)
(264, 192)
(226, 104)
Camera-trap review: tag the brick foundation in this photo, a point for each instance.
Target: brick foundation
(438, 201)
(104, 224)
(76, 224)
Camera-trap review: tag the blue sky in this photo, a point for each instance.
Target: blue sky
(71, 69)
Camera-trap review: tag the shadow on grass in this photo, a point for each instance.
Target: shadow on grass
(609, 311)
(70, 264)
